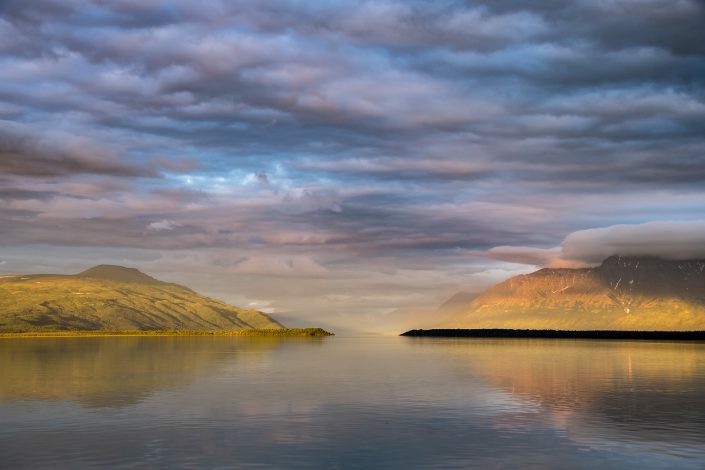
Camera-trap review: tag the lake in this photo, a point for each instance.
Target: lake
(350, 402)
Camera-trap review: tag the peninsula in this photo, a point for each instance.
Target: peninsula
(109, 299)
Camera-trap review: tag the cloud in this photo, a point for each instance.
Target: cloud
(262, 177)
(22, 153)
(176, 164)
(663, 239)
(523, 254)
(162, 225)
(285, 266)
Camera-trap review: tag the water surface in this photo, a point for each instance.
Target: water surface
(350, 402)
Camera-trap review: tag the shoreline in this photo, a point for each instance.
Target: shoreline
(557, 334)
(263, 333)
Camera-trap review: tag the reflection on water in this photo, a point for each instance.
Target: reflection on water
(638, 390)
(341, 402)
(110, 371)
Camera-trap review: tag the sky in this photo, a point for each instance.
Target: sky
(331, 162)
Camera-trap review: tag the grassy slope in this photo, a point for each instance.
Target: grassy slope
(53, 302)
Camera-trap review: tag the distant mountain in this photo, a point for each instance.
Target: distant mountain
(457, 303)
(623, 293)
(115, 298)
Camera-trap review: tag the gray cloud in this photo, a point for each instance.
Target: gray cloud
(30, 155)
(666, 239)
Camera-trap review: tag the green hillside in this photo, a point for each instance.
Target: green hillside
(114, 298)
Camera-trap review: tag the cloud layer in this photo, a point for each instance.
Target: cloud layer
(332, 143)
(675, 240)
(670, 240)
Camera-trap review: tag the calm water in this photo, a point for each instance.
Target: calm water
(350, 402)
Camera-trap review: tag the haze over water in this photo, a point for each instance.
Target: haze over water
(350, 402)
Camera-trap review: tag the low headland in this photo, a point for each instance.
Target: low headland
(263, 332)
(558, 334)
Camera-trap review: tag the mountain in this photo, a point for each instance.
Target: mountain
(405, 318)
(110, 272)
(114, 298)
(623, 293)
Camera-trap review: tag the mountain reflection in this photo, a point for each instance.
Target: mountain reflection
(651, 390)
(106, 372)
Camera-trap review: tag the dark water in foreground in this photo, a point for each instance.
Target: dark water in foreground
(356, 402)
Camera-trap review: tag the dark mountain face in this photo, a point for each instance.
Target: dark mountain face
(623, 293)
(654, 276)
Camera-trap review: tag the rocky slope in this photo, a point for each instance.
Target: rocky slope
(634, 293)
(114, 298)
